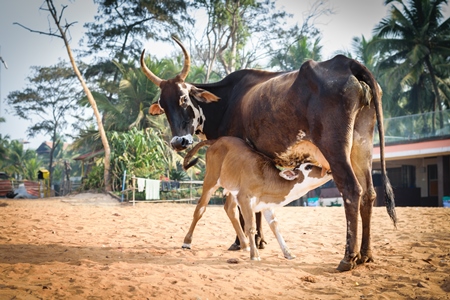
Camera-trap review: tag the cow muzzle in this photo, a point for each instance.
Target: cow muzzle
(180, 143)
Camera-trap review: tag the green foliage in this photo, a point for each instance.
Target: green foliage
(139, 152)
(94, 180)
(297, 53)
(414, 46)
(48, 101)
(237, 34)
(18, 162)
(178, 173)
(117, 33)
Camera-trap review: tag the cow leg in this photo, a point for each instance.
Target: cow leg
(232, 211)
(366, 215)
(351, 193)
(208, 190)
(269, 214)
(361, 157)
(347, 183)
(260, 242)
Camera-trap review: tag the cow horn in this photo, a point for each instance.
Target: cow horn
(187, 60)
(153, 78)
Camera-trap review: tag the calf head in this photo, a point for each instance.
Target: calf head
(306, 170)
(179, 101)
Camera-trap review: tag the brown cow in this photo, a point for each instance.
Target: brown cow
(254, 183)
(331, 105)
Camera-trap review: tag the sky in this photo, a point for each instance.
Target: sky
(21, 49)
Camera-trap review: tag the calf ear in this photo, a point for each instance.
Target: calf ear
(155, 109)
(203, 95)
(289, 174)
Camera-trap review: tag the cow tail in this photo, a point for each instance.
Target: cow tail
(362, 73)
(187, 162)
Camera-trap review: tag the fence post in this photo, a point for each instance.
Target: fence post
(123, 183)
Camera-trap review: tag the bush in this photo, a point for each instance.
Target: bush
(94, 180)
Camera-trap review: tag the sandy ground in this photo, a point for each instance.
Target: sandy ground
(92, 247)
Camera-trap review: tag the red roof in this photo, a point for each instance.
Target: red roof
(89, 155)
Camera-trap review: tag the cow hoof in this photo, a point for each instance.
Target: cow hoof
(364, 259)
(290, 257)
(346, 266)
(255, 258)
(262, 245)
(234, 247)
(186, 246)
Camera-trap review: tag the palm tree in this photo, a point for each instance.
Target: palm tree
(22, 163)
(3, 142)
(299, 52)
(410, 40)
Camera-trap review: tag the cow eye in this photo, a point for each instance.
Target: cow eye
(184, 123)
(183, 101)
(308, 167)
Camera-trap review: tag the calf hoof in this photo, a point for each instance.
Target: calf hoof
(234, 247)
(186, 246)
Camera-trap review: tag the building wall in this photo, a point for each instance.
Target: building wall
(421, 173)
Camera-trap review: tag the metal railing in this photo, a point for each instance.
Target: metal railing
(416, 127)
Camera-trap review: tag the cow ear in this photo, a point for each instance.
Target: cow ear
(203, 95)
(289, 174)
(155, 109)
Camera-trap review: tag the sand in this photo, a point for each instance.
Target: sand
(90, 246)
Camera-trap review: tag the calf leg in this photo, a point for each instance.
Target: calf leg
(198, 213)
(269, 214)
(233, 214)
(250, 226)
(259, 237)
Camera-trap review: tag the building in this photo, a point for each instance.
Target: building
(417, 159)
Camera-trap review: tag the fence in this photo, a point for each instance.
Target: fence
(23, 188)
(415, 127)
(169, 191)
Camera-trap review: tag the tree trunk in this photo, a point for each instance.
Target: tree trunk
(88, 93)
(437, 97)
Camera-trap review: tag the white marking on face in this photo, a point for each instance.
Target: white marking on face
(188, 137)
(186, 101)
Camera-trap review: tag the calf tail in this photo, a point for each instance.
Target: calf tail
(187, 162)
(363, 74)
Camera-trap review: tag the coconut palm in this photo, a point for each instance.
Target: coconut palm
(411, 39)
(19, 162)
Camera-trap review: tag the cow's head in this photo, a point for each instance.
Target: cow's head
(179, 101)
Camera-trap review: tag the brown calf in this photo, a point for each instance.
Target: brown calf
(254, 183)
